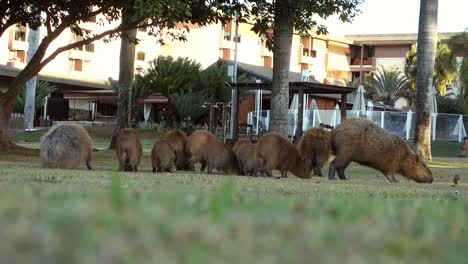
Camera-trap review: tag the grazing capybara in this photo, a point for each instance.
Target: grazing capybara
(315, 149)
(273, 151)
(163, 156)
(220, 156)
(178, 141)
(366, 143)
(238, 143)
(245, 153)
(129, 150)
(197, 141)
(65, 146)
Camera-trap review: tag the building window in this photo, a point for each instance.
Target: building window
(140, 56)
(20, 33)
(238, 39)
(18, 55)
(267, 61)
(75, 65)
(89, 47)
(313, 53)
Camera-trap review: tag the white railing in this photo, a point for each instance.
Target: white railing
(450, 127)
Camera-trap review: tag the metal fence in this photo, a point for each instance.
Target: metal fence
(450, 127)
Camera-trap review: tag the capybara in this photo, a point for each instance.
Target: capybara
(315, 149)
(273, 151)
(65, 146)
(197, 141)
(364, 142)
(163, 156)
(178, 141)
(246, 157)
(220, 156)
(129, 150)
(240, 142)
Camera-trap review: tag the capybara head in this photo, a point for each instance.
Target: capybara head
(300, 170)
(416, 169)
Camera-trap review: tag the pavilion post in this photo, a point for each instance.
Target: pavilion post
(300, 114)
(344, 99)
(236, 116)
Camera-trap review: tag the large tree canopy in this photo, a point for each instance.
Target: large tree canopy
(305, 15)
(57, 16)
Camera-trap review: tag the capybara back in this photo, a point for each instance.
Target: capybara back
(315, 149)
(129, 150)
(273, 151)
(364, 142)
(197, 142)
(163, 156)
(65, 146)
(178, 141)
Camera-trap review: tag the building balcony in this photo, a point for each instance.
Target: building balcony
(306, 59)
(80, 55)
(16, 64)
(17, 44)
(227, 44)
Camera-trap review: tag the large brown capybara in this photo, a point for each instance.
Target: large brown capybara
(245, 153)
(163, 156)
(65, 146)
(315, 149)
(220, 156)
(197, 142)
(273, 151)
(129, 150)
(366, 143)
(178, 141)
(239, 143)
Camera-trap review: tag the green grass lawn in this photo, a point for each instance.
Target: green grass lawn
(103, 216)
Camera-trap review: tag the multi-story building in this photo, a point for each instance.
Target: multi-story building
(324, 58)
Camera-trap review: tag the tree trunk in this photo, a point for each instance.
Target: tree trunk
(126, 76)
(427, 41)
(282, 42)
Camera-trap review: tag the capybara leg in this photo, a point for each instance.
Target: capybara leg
(121, 166)
(341, 174)
(88, 165)
(203, 165)
(391, 178)
(318, 172)
(331, 171)
(210, 170)
(135, 168)
(154, 169)
(284, 174)
(268, 173)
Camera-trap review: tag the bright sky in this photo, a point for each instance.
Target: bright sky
(400, 16)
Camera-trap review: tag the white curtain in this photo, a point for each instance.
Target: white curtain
(460, 129)
(409, 117)
(336, 116)
(147, 111)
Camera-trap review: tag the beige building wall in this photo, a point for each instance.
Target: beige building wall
(100, 62)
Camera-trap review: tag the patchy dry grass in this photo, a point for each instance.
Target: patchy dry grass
(104, 216)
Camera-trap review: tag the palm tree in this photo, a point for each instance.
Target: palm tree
(168, 76)
(43, 89)
(427, 41)
(445, 67)
(387, 85)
